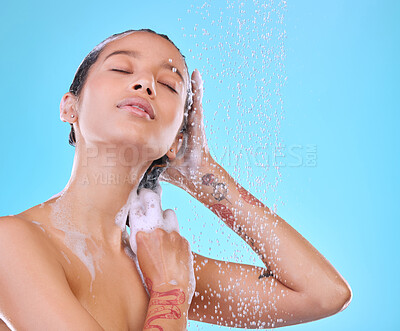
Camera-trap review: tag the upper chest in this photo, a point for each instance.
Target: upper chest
(114, 294)
(107, 284)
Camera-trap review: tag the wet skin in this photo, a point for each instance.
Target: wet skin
(230, 294)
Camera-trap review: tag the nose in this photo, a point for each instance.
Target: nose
(140, 87)
(144, 86)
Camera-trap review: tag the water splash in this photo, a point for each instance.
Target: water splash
(238, 46)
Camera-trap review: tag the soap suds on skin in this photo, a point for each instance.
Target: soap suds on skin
(146, 214)
(39, 225)
(74, 240)
(66, 257)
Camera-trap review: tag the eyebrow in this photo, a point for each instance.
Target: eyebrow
(129, 53)
(136, 55)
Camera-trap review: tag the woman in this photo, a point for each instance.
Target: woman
(66, 264)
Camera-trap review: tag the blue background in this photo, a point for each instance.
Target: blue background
(341, 60)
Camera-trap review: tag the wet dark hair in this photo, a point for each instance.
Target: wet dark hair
(150, 178)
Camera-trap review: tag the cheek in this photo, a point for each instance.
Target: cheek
(87, 99)
(167, 129)
(95, 108)
(96, 92)
(173, 121)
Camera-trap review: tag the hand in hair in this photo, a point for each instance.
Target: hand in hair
(183, 170)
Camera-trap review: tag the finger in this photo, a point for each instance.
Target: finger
(170, 221)
(196, 114)
(140, 235)
(197, 88)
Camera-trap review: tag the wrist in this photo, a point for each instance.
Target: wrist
(166, 311)
(197, 170)
(201, 181)
(171, 295)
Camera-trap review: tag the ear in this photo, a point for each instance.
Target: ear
(68, 111)
(173, 150)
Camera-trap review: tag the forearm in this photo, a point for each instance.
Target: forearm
(289, 256)
(167, 309)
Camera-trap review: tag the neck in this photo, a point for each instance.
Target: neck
(99, 187)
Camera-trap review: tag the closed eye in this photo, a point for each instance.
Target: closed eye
(120, 70)
(168, 86)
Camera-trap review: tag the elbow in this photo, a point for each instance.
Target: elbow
(337, 299)
(347, 295)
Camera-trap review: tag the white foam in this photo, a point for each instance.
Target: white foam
(39, 225)
(146, 214)
(61, 213)
(66, 257)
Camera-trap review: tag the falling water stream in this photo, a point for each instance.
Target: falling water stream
(238, 46)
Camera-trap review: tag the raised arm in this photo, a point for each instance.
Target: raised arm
(288, 256)
(34, 292)
(292, 264)
(297, 285)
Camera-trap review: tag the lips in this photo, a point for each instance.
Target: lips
(137, 104)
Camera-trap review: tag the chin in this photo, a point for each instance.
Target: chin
(135, 145)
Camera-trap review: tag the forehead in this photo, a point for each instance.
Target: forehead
(151, 46)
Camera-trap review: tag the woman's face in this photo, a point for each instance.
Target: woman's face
(141, 71)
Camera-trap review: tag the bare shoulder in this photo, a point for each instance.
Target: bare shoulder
(34, 291)
(23, 249)
(19, 235)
